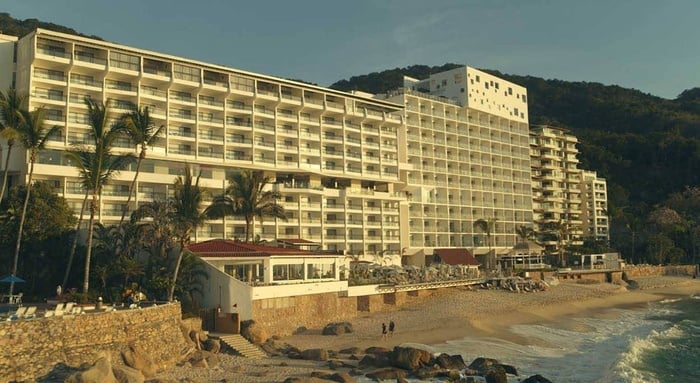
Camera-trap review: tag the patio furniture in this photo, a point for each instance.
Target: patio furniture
(17, 314)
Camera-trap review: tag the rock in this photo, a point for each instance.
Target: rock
(161, 380)
(337, 328)
(495, 374)
(308, 379)
(135, 357)
(536, 379)
(389, 373)
(300, 330)
(255, 333)
(510, 369)
(454, 362)
(335, 364)
(351, 350)
(100, 372)
(377, 350)
(194, 337)
(410, 358)
(341, 377)
(375, 360)
(212, 345)
(479, 364)
(315, 354)
(125, 374)
(203, 359)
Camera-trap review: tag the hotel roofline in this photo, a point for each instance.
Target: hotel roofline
(93, 42)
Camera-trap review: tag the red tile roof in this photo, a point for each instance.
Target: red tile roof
(296, 241)
(228, 248)
(456, 257)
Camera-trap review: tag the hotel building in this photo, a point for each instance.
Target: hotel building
(595, 213)
(463, 156)
(332, 155)
(405, 172)
(567, 201)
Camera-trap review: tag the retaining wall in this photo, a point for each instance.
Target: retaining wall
(283, 316)
(29, 349)
(636, 271)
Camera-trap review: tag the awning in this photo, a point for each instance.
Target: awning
(457, 256)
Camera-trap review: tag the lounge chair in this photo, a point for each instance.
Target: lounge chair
(59, 310)
(30, 313)
(17, 314)
(68, 309)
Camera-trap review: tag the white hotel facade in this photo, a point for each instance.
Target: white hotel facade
(394, 174)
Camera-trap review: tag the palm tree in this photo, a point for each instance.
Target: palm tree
(561, 230)
(140, 129)
(97, 165)
(245, 195)
(487, 226)
(33, 135)
(187, 216)
(10, 119)
(525, 232)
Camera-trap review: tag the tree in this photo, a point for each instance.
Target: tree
(560, 230)
(245, 196)
(187, 216)
(11, 117)
(525, 232)
(33, 135)
(487, 226)
(141, 130)
(97, 165)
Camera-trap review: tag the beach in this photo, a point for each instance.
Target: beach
(452, 314)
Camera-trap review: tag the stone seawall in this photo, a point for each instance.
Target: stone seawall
(29, 349)
(637, 271)
(283, 316)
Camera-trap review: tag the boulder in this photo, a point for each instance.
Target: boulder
(451, 362)
(315, 354)
(255, 333)
(341, 377)
(479, 364)
(536, 379)
(410, 358)
(375, 360)
(135, 357)
(351, 350)
(203, 359)
(212, 345)
(337, 328)
(377, 350)
(194, 337)
(125, 374)
(495, 374)
(100, 372)
(389, 373)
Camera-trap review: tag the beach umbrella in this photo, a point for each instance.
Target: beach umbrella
(12, 279)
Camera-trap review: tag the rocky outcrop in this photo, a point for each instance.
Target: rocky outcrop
(135, 357)
(410, 358)
(254, 332)
(337, 328)
(315, 354)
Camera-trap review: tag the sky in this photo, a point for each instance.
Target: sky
(649, 45)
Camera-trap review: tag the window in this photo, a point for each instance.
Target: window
(187, 73)
(124, 61)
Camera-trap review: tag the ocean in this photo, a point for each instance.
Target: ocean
(656, 344)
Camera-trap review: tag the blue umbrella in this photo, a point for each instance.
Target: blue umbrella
(12, 279)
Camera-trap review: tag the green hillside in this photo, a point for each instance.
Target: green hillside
(14, 27)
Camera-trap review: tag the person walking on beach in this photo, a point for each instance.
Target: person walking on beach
(391, 327)
(383, 331)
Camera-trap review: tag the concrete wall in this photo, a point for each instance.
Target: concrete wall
(30, 348)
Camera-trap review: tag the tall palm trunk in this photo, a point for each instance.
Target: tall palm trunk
(248, 226)
(22, 217)
(7, 169)
(142, 155)
(180, 254)
(88, 253)
(74, 246)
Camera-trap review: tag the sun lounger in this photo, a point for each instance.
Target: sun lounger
(59, 310)
(17, 314)
(67, 310)
(30, 313)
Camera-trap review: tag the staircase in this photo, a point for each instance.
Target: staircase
(242, 346)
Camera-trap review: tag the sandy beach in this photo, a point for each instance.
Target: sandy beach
(450, 314)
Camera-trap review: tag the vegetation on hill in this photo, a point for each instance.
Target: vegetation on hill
(15, 27)
(647, 147)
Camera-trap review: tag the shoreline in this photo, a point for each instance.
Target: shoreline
(452, 314)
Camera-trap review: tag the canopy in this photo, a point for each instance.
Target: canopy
(12, 279)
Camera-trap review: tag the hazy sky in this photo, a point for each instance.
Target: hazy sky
(650, 45)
